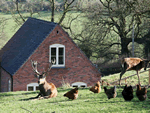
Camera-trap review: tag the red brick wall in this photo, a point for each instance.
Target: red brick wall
(5, 77)
(77, 66)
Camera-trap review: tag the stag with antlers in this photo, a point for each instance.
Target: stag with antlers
(47, 90)
(133, 64)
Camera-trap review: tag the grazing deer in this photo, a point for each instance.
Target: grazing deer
(133, 64)
(47, 90)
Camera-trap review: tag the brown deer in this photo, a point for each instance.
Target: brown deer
(133, 64)
(47, 90)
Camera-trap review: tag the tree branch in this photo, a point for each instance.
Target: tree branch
(66, 9)
(19, 11)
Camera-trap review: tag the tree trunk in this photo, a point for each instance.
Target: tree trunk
(124, 46)
(52, 8)
(146, 49)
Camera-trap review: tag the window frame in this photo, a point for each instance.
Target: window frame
(9, 85)
(34, 85)
(79, 84)
(57, 46)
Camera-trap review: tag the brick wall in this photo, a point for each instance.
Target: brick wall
(77, 66)
(5, 77)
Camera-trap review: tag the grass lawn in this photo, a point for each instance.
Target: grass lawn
(87, 102)
(144, 78)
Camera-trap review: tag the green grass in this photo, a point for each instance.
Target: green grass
(87, 102)
(144, 78)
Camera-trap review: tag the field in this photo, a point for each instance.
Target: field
(87, 102)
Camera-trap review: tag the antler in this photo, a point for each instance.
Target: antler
(50, 66)
(34, 67)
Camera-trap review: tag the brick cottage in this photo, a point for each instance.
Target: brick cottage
(43, 41)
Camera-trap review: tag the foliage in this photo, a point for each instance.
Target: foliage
(108, 29)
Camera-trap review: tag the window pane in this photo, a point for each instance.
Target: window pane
(61, 61)
(30, 88)
(53, 58)
(37, 87)
(61, 55)
(61, 51)
(53, 54)
(53, 51)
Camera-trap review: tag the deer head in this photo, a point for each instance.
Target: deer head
(37, 74)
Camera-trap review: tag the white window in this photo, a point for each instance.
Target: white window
(9, 85)
(32, 87)
(57, 52)
(79, 84)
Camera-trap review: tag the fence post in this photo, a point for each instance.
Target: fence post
(149, 77)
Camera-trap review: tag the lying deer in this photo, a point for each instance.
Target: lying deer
(133, 64)
(47, 90)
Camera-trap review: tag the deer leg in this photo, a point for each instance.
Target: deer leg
(38, 95)
(46, 97)
(122, 72)
(35, 98)
(138, 77)
(124, 68)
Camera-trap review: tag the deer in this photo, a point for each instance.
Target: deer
(133, 64)
(47, 90)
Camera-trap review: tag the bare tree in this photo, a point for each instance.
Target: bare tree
(65, 6)
(111, 23)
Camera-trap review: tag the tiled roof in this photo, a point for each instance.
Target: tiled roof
(19, 48)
